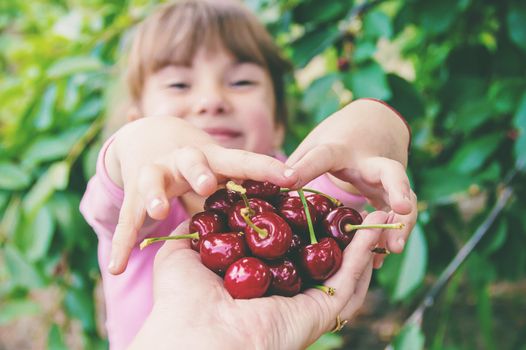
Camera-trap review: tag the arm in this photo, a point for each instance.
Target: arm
(364, 148)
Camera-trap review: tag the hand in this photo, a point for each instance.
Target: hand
(191, 306)
(365, 145)
(159, 158)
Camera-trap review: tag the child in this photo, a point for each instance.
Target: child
(207, 93)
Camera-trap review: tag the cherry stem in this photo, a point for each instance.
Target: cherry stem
(232, 186)
(332, 199)
(307, 214)
(261, 231)
(351, 227)
(146, 242)
(327, 290)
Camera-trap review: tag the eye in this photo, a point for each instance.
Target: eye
(243, 82)
(179, 86)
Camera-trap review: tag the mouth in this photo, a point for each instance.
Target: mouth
(223, 133)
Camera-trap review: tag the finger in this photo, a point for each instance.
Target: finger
(152, 187)
(393, 178)
(131, 218)
(356, 258)
(239, 164)
(193, 165)
(317, 161)
(396, 239)
(356, 301)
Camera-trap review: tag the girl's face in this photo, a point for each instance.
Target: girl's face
(232, 101)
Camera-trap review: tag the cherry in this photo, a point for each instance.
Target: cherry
(220, 250)
(264, 190)
(322, 205)
(296, 243)
(206, 222)
(257, 206)
(291, 209)
(320, 260)
(221, 200)
(341, 225)
(268, 236)
(286, 280)
(247, 278)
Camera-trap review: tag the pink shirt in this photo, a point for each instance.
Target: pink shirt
(129, 296)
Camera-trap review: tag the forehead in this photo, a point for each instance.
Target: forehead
(176, 36)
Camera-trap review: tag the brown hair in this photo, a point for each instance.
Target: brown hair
(174, 33)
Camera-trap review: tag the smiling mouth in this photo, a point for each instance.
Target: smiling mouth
(222, 133)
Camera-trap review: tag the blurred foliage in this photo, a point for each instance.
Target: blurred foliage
(454, 69)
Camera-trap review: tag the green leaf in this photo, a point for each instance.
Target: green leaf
(327, 341)
(44, 116)
(13, 177)
(515, 19)
(55, 178)
(437, 16)
(405, 98)
(472, 155)
(71, 65)
(65, 209)
(413, 266)
(313, 43)
(437, 185)
(519, 121)
(22, 273)
(88, 110)
(496, 238)
(377, 24)
(52, 147)
(472, 114)
(13, 309)
(79, 304)
(55, 338)
(35, 234)
(319, 11)
(89, 159)
(368, 80)
(410, 338)
(320, 99)
(363, 51)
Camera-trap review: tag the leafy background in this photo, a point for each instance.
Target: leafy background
(454, 69)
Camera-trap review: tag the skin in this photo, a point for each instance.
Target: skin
(214, 120)
(208, 317)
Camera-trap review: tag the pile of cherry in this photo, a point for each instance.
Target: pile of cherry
(262, 240)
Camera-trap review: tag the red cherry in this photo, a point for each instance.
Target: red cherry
(321, 260)
(235, 219)
(322, 205)
(221, 200)
(286, 280)
(261, 189)
(220, 250)
(334, 225)
(269, 237)
(206, 222)
(291, 209)
(296, 243)
(247, 278)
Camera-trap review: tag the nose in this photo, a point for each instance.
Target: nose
(211, 102)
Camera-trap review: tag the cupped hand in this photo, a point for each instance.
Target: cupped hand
(188, 295)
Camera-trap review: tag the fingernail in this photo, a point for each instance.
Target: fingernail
(401, 242)
(111, 265)
(156, 202)
(289, 172)
(202, 179)
(379, 266)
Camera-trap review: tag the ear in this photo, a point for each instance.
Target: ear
(133, 113)
(279, 136)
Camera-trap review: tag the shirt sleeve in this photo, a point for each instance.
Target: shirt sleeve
(128, 296)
